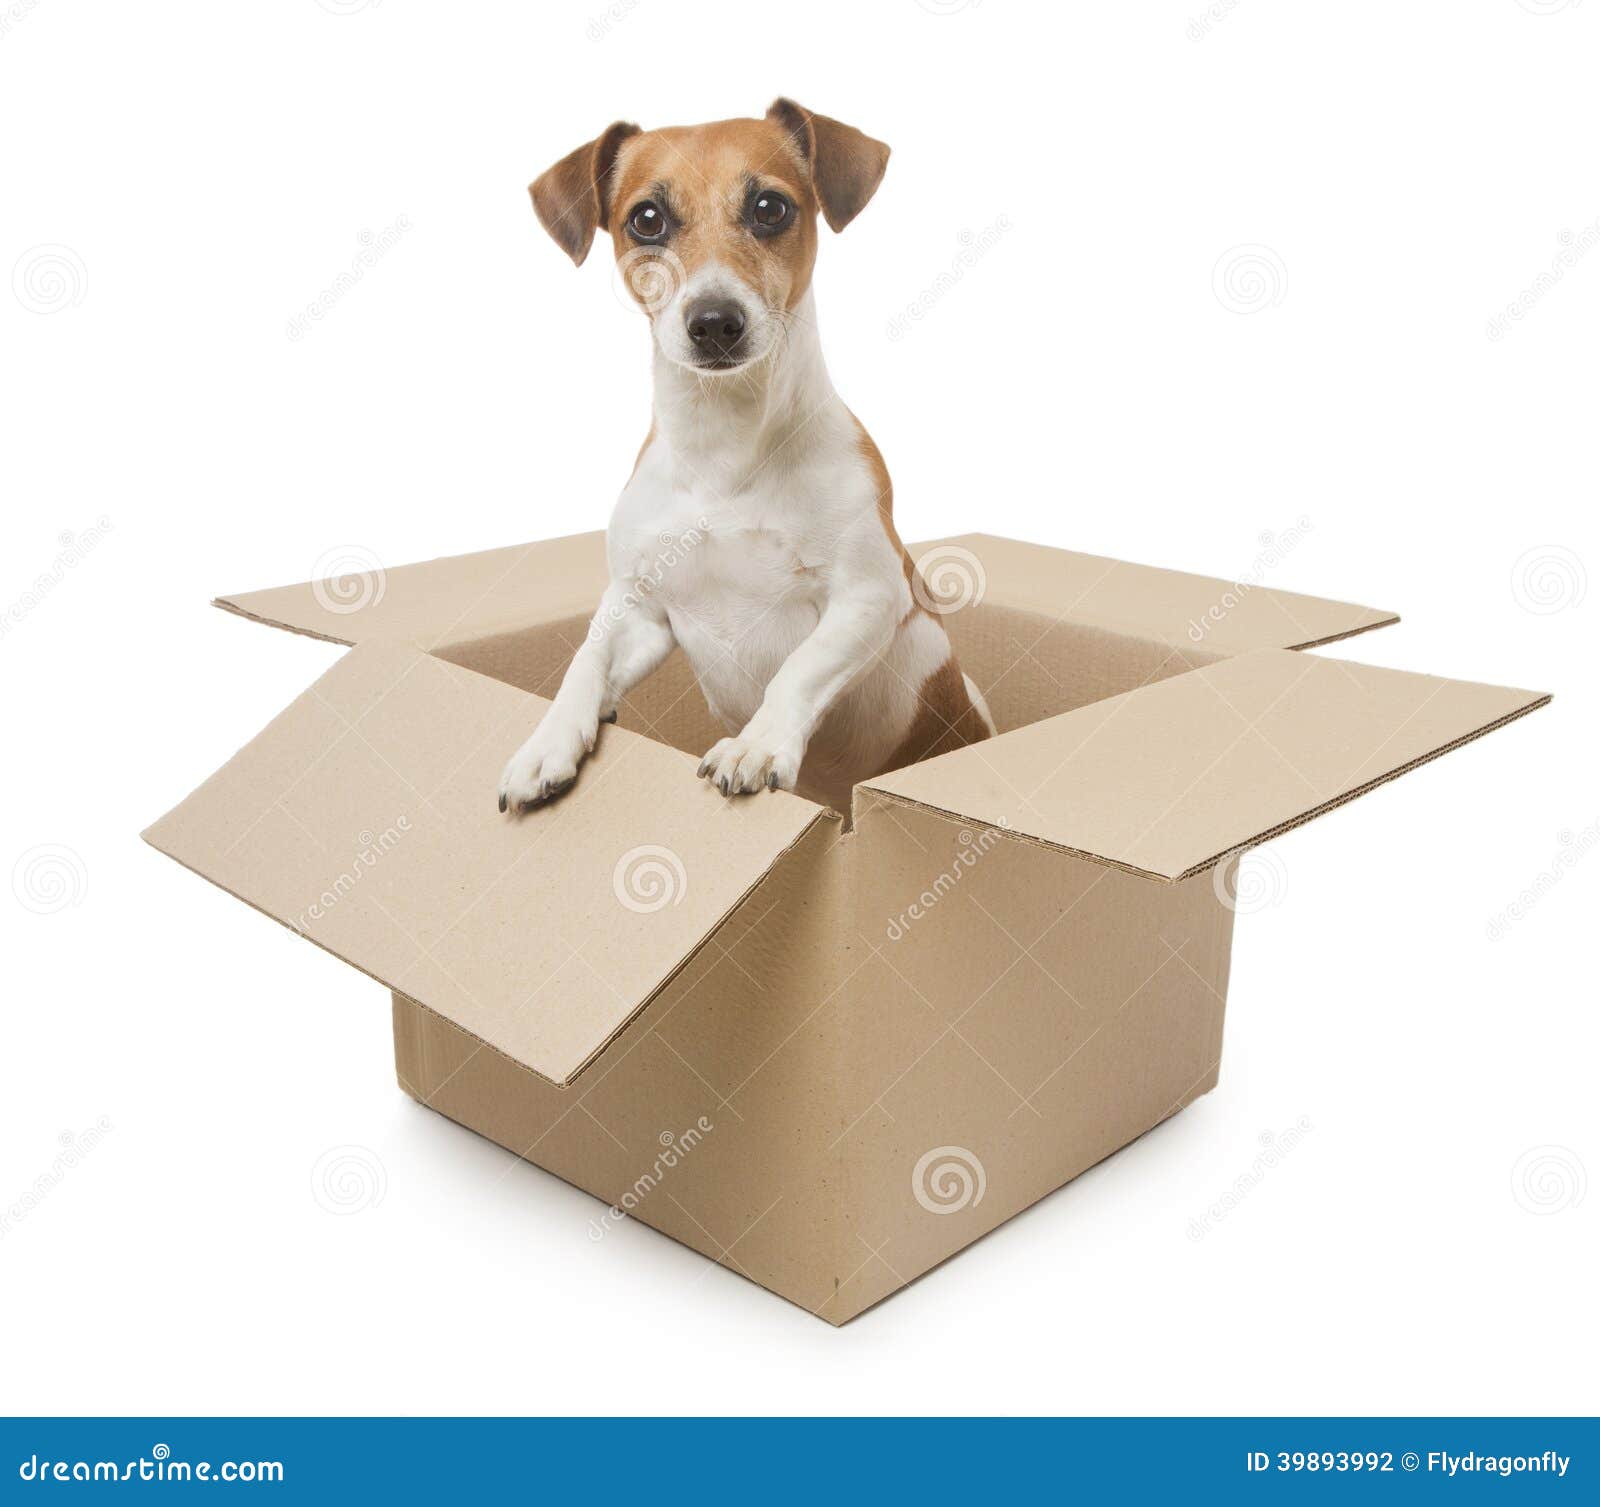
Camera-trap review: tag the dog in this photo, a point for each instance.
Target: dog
(816, 643)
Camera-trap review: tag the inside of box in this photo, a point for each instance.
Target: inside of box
(1028, 666)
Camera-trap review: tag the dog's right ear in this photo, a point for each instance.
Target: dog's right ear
(571, 197)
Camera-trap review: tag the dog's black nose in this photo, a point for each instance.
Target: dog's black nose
(716, 326)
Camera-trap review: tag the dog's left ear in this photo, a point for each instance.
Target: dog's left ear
(846, 164)
(571, 197)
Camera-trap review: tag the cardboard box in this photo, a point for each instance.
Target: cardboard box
(825, 1056)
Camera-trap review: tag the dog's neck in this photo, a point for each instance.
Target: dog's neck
(722, 430)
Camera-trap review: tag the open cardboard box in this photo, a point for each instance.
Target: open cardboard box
(826, 1058)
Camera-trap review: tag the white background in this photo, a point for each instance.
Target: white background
(1091, 380)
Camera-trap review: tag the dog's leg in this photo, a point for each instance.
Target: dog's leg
(856, 627)
(628, 638)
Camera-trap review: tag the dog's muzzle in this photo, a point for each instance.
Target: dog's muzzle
(716, 330)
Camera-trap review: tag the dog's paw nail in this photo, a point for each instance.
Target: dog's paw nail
(502, 801)
(772, 781)
(610, 716)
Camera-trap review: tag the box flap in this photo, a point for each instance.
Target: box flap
(1170, 606)
(463, 597)
(364, 817)
(435, 602)
(1167, 779)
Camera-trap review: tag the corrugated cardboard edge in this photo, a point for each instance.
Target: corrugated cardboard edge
(271, 622)
(822, 814)
(1256, 841)
(1338, 638)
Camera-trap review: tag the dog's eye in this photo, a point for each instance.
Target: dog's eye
(647, 223)
(769, 212)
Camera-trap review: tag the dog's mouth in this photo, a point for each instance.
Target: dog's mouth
(719, 363)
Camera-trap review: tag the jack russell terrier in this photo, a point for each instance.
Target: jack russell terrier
(813, 637)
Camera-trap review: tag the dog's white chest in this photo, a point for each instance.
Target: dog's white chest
(739, 596)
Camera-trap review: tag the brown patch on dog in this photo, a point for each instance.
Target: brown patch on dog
(884, 489)
(946, 719)
(846, 165)
(571, 199)
(704, 176)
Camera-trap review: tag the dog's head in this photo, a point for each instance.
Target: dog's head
(714, 226)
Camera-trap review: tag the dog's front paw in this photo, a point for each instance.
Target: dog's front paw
(547, 763)
(741, 764)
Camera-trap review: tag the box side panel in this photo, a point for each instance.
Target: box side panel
(1024, 1014)
(667, 705)
(1030, 665)
(1176, 606)
(745, 1041)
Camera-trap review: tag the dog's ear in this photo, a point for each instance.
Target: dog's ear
(846, 164)
(571, 197)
